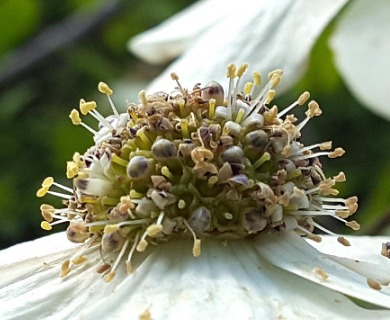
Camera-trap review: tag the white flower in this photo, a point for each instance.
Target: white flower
(270, 277)
(176, 166)
(270, 34)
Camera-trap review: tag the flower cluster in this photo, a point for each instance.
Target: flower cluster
(200, 162)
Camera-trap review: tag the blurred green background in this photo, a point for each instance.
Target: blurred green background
(52, 54)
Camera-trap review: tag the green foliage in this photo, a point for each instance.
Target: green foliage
(18, 19)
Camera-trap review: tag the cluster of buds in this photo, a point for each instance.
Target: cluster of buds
(204, 163)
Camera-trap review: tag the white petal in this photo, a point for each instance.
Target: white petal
(228, 281)
(168, 40)
(363, 256)
(362, 52)
(225, 282)
(287, 251)
(266, 34)
(41, 247)
(365, 248)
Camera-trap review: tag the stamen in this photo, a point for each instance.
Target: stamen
(175, 77)
(196, 250)
(104, 88)
(90, 107)
(132, 250)
(231, 74)
(76, 120)
(112, 273)
(301, 101)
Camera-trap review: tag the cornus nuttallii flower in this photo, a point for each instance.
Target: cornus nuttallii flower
(216, 173)
(202, 163)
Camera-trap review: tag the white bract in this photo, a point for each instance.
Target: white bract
(269, 277)
(269, 34)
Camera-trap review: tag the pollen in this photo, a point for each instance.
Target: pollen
(104, 88)
(200, 163)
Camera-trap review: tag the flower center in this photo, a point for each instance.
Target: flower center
(195, 162)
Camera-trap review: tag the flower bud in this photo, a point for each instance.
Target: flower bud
(233, 155)
(138, 168)
(163, 149)
(213, 90)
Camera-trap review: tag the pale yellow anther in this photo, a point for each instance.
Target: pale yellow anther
(314, 109)
(352, 208)
(344, 241)
(174, 76)
(248, 88)
(338, 152)
(241, 70)
(142, 246)
(48, 182)
(325, 184)
(320, 273)
(42, 192)
(343, 213)
(47, 215)
(86, 107)
(340, 177)
(276, 72)
(270, 96)
(109, 276)
(111, 228)
(231, 71)
(103, 268)
(47, 208)
(196, 250)
(257, 78)
(303, 98)
(154, 230)
(46, 226)
(353, 225)
(373, 284)
(79, 260)
(142, 97)
(314, 237)
(65, 268)
(274, 80)
(72, 169)
(351, 200)
(104, 88)
(326, 145)
(75, 117)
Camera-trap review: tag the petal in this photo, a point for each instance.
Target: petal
(363, 256)
(228, 281)
(41, 247)
(161, 44)
(290, 252)
(362, 53)
(267, 35)
(365, 248)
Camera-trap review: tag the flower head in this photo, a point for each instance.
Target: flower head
(204, 163)
(213, 166)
